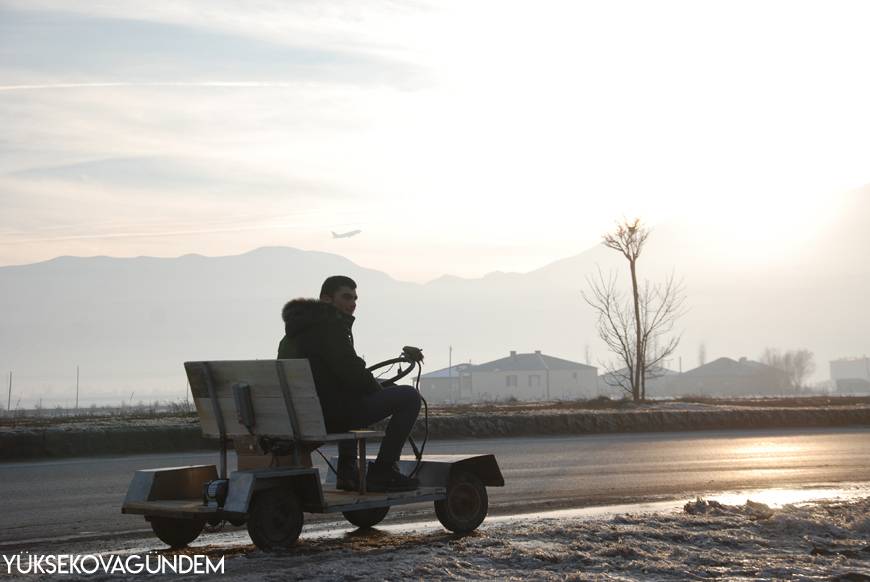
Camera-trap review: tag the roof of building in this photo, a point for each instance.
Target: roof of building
(851, 359)
(450, 371)
(529, 362)
(729, 367)
(515, 362)
(652, 373)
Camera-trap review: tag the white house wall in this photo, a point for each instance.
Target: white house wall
(438, 390)
(563, 385)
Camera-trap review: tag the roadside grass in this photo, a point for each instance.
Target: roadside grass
(606, 403)
(44, 417)
(184, 410)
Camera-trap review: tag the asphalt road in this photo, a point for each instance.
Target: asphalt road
(60, 503)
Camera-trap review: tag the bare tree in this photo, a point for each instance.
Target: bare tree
(797, 364)
(635, 330)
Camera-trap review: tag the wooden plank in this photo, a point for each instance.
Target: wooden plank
(304, 398)
(269, 414)
(366, 434)
(352, 435)
(272, 415)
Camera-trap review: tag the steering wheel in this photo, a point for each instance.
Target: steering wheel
(410, 355)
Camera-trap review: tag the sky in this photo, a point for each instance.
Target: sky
(460, 137)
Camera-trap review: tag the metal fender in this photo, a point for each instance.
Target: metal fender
(243, 484)
(436, 470)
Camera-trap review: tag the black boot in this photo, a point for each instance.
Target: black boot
(385, 477)
(347, 478)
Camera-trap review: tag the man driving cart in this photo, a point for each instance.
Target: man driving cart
(350, 396)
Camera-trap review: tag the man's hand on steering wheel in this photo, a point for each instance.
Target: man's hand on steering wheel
(412, 353)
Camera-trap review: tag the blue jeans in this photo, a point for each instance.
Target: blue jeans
(402, 405)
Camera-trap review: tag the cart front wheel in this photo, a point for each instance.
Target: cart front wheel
(366, 518)
(176, 532)
(466, 504)
(275, 520)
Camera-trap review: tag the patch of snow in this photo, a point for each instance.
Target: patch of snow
(828, 539)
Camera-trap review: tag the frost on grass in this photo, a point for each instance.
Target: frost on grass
(827, 540)
(820, 541)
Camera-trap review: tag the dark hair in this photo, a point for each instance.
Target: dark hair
(334, 283)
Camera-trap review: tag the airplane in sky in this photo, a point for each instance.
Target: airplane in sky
(348, 234)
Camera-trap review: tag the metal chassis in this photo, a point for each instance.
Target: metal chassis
(177, 491)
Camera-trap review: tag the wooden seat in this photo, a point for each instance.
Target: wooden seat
(284, 399)
(264, 403)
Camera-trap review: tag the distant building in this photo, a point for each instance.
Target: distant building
(451, 384)
(533, 376)
(727, 377)
(851, 375)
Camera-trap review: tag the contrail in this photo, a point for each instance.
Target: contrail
(137, 231)
(219, 84)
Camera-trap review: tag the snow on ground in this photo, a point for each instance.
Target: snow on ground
(822, 540)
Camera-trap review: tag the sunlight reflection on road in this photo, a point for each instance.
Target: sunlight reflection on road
(768, 449)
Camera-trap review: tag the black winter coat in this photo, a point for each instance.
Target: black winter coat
(323, 334)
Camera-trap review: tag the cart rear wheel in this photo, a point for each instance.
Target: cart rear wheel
(275, 520)
(175, 532)
(366, 518)
(466, 504)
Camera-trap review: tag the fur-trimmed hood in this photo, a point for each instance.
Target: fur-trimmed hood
(321, 334)
(301, 314)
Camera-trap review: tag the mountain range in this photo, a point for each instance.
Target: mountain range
(129, 323)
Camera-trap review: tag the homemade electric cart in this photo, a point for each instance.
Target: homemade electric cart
(270, 412)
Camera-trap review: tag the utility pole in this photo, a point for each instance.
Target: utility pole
(9, 399)
(450, 372)
(77, 387)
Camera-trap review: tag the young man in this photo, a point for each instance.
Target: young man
(350, 397)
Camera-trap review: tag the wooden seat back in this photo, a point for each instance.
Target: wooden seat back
(282, 394)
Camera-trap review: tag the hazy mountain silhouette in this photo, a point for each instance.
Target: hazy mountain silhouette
(130, 323)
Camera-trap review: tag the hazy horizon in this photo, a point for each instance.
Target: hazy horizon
(764, 244)
(460, 139)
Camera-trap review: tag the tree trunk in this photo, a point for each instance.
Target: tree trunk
(638, 368)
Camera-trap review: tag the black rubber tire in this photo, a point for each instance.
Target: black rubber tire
(275, 519)
(366, 518)
(466, 505)
(176, 532)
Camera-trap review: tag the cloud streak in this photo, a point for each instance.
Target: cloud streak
(533, 129)
(134, 84)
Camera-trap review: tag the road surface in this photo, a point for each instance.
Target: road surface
(72, 501)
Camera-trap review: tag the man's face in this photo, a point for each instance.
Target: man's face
(344, 299)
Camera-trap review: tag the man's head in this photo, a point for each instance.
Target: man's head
(340, 291)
